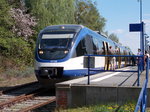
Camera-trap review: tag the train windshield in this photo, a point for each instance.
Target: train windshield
(55, 46)
(56, 40)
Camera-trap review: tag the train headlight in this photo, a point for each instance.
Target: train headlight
(66, 52)
(62, 27)
(46, 71)
(41, 52)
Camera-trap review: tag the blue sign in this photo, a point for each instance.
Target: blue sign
(136, 27)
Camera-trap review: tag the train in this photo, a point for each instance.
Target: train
(61, 50)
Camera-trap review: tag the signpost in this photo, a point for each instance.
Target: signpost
(138, 27)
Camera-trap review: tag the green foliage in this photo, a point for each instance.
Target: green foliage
(114, 37)
(17, 49)
(88, 15)
(128, 107)
(128, 47)
(5, 33)
(14, 3)
(47, 12)
(5, 19)
(52, 12)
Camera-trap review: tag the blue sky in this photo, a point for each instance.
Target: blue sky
(119, 14)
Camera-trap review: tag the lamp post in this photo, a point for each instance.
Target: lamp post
(142, 30)
(140, 11)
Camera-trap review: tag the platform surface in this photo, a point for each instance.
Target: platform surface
(115, 79)
(105, 87)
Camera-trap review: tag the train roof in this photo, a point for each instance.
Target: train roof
(61, 28)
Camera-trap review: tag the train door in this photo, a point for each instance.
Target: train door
(105, 44)
(119, 58)
(125, 59)
(122, 60)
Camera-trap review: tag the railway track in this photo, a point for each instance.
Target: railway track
(25, 98)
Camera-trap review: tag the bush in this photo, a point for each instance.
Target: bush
(17, 49)
(5, 19)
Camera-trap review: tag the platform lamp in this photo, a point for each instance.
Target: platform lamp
(142, 32)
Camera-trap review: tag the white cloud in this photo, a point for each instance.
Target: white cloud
(132, 40)
(146, 14)
(117, 31)
(147, 21)
(147, 26)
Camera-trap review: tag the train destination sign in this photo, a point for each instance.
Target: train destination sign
(137, 27)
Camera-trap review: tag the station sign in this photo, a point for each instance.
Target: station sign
(137, 27)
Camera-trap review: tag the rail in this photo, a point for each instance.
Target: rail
(139, 69)
(142, 100)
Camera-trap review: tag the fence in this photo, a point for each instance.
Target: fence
(142, 100)
(139, 69)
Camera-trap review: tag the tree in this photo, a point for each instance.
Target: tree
(51, 12)
(128, 48)
(114, 37)
(87, 14)
(106, 33)
(6, 21)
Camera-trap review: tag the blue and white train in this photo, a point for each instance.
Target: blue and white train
(61, 49)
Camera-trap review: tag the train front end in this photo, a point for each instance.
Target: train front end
(52, 53)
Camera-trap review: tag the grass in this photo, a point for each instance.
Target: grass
(12, 76)
(148, 109)
(129, 107)
(23, 72)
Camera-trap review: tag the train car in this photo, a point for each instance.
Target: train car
(61, 49)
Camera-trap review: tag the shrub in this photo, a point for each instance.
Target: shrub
(5, 19)
(17, 49)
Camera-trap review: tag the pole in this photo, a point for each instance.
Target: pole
(140, 11)
(138, 79)
(142, 35)
(142, 32)
(88, 70)
(147, 68)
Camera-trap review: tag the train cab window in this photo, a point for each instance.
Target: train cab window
(56, 40)
(54, 46)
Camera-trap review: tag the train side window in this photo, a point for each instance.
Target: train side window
(95, 46)
(81, 48)
(101, 47)
(89, 44)
(86, 46)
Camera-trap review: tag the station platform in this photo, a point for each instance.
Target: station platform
(105, 87)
